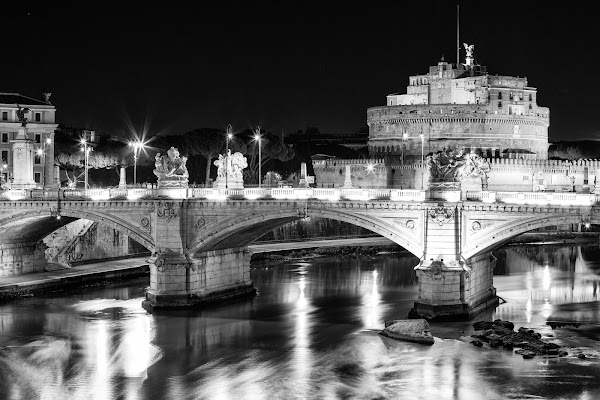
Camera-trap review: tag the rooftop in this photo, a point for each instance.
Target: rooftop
(16, 98)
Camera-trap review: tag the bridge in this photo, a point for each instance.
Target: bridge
(199, 237)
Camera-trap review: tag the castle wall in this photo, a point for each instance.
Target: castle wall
(505, 174)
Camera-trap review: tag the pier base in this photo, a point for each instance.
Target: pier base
(455, 290)
(178, 281)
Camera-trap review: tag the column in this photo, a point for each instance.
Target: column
(22, 165)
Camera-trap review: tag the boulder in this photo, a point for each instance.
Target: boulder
(408, 330)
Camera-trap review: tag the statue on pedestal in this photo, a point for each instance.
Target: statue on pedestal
(170, 169)
(21, 115)
(230, 170)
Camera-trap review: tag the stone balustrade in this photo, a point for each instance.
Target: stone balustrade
(331, 194)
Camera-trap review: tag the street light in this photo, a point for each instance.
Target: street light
(227, 138)
(86, 152)
(370, 169)
(41, 152)
(137, 146)
(422, 158)
(257, 138)
(404, 137)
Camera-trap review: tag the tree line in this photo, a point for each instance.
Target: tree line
(202, 146)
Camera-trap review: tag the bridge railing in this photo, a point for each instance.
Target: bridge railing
(331, 194)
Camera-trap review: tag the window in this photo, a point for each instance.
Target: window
(37, 159)
(499, 95)
(499, 104)
(38, 138)
(4, 115)
(530, 97)
(37, 177)
(38, 117)
(4, 137)
(4, 156)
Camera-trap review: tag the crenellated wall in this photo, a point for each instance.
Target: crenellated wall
(505, 174)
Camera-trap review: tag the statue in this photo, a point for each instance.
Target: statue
(230, 170)
(171, 169)
(444, 166)
(469, 49)
(21, 115)
(47, 98)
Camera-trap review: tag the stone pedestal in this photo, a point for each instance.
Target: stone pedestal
(122, 178)
(347, 179)
(177, 281)
(22, 258)
(22, 168)
(232, 182)
(455, 290)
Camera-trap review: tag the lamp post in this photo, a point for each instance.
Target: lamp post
(422, 158)
(404, 137)
(370, 169)
(227, 138)
(137, 146)
(257, 138)
(41, 152)
(86, 151)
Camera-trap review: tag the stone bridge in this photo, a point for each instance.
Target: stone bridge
(200, 245)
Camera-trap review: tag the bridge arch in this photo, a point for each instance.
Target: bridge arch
(242, 230)
(28, 226)
(506, 232)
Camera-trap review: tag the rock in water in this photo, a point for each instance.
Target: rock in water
(409, 330)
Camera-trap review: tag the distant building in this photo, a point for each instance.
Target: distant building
(40, 129)
(351, 140)
(464, 108)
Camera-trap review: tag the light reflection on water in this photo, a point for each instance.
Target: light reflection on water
(310, 333)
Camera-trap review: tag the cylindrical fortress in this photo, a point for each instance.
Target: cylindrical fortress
(464, 109)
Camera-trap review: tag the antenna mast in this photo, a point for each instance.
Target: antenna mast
(457, 35)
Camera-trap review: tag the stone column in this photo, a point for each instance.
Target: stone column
(450, 287)
(179, 279)
(347, 179)
(22, 168)
(122, 178)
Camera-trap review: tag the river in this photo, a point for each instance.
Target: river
(310, 333)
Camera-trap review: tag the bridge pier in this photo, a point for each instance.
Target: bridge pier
(178, 281)
(455, 290)
(22, 258)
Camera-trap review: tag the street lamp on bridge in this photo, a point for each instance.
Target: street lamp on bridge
(257, 138)
(228, 137)
(137, 146)
(41, 152)
(86, 152)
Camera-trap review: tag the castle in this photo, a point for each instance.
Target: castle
(461, 107)
(465, 109)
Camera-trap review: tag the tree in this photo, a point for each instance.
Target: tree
(271, 148)
(209, 143)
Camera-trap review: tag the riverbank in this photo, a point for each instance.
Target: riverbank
(93, 274)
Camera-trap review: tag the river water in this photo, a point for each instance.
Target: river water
(310, 333)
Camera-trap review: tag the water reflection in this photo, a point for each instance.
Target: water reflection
(310, 333)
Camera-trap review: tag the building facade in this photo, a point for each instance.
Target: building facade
(464, 108)
(40, 126)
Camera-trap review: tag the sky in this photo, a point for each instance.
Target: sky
(132, 68)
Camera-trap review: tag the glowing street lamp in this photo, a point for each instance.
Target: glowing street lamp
(404, 137)
(370, 169)
(137, 146)
(86, 152)
(257, 138)
(227, 138)
(422, 158)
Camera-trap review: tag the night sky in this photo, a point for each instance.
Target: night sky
(170, 67)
